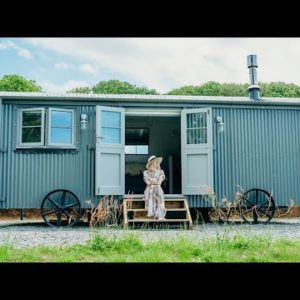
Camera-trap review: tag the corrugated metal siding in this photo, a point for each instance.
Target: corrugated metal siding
(47, 169)
(258, 148)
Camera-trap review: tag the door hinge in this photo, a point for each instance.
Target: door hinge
(2, 150)
(2, 199)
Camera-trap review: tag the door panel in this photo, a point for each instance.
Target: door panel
(110, 151)
(196, 134)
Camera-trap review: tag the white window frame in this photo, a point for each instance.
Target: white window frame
(33, 109)
(72, 145)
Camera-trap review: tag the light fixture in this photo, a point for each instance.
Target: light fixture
(83, 121)
(220, 122)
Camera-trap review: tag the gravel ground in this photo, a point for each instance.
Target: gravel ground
(28, 234)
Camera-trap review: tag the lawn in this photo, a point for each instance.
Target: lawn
(132, 249)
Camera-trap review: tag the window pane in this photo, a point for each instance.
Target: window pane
(142, 149)
(111, 135)
(61, 135)
(197, 136)
(61, 119)
(110, 119)
(196, 120)
(31, 135)
(137, 136)
(32, 118)
(130, 149)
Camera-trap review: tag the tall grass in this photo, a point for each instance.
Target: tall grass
(130, 248)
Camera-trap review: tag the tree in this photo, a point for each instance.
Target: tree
(80, 90)
(17, 83)
(279, 89)
(211, 88)
(120, 87)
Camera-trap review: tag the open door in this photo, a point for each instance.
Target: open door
(110, 151)
(196, 143)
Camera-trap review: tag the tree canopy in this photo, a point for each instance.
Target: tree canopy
(80, 90)
(120, 87)
(212, 88)
(17, 83)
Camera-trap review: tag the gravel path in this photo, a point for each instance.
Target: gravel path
(29, 235)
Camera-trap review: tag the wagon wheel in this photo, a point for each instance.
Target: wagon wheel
(61, 208)
(257, 206)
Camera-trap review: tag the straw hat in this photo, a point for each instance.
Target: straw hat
(152, 159)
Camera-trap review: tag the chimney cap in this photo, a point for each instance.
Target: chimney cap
(252, 60)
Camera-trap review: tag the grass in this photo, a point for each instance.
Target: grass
(131, 249)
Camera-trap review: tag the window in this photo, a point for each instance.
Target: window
(137, 140)
(138, 149)
(197, 128)
(61, 126)
(111, 127)
(32, 127)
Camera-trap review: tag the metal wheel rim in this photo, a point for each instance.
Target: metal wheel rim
(61, 210)
(256, 208)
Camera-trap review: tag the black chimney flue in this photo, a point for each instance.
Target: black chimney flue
(254, 89)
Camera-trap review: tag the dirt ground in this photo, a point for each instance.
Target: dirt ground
(28, 214)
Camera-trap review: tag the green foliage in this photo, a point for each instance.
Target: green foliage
(221, 248)
(17, 83)
(212, 88)
(80, 90)
(279, 89)
(120, 87)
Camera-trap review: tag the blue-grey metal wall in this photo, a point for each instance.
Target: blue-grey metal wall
(259, 147)
(30, 174)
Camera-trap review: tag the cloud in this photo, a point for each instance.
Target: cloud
(51, 87)
(25, 53)
(88, 68)
(21, 51)
(166, 63)
(7, 44)
(62, 65)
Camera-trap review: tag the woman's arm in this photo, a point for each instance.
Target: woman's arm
(161, 177)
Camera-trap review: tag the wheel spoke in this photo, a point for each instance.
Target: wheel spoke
(53, 202)
(250, 202)
(71, 205)
(63, 199)
(68, 215)
(265, 213)
(50, 212)
(58, 221)
(247, 211)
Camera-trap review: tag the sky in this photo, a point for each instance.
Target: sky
(60, 64)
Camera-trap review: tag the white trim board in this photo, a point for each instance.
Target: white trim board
(153, 112)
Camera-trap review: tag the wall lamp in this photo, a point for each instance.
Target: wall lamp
(83, 121)
(220, 122)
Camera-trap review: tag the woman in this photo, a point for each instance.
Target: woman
(154, 194)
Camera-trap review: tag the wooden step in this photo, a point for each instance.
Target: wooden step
(166, 200)
(167, 196)
(156, 220)
(167, 209)
(173, 203)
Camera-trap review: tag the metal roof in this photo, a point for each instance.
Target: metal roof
(150, 98)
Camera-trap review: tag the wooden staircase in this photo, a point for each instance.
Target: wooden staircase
(176, 205)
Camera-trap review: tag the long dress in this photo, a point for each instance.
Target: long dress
(154, 194)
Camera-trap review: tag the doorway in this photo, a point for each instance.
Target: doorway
(152, 135)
